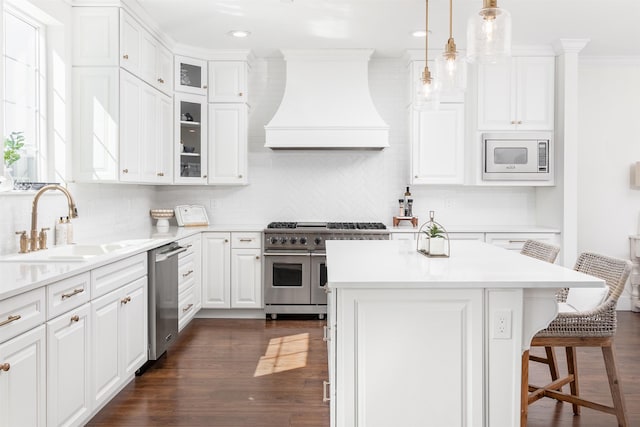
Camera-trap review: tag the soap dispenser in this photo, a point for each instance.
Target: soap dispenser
(61, 232)
(69, 231)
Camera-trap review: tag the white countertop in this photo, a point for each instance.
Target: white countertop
(473, 264)
(405, 227)
(19, 277)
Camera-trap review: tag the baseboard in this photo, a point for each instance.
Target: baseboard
(214, 313)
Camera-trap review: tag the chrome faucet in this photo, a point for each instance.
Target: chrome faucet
(73, 213)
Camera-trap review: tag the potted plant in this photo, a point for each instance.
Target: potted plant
(436, 240)
(12, 146)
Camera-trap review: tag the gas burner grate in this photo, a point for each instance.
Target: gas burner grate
(282, 225)
(356, 226)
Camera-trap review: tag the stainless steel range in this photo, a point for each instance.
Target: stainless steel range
(295, 270)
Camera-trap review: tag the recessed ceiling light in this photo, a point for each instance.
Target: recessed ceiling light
(418, 33)
(239, 33)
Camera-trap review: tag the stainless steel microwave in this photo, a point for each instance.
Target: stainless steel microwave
(517, 156)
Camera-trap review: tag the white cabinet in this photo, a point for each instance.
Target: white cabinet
(517, 94)
(190, 75)
(515, 241)
(228, 81)
(68, 368)
(231, 274)
(189, 280)
(95, 36)
(190, 139)
(437, 145)
(145, 132)
(216, 270)
(23, 379)
(227, 144)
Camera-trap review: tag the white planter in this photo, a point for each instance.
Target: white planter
(423, 243)
(436, 246)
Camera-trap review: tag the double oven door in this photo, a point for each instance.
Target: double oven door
(295, 278)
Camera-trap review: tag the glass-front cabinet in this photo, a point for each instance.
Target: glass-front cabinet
(191, 75)
(191, 139)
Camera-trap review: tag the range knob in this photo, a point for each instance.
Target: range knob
(283, 240)
(318, 240)
(293, 240)
(303, 240)
(273, 240)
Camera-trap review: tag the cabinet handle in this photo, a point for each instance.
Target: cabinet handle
(204, 176)
(257, 257)
(75, 318)
(326, 289)
(246, 240)
(239, 176)
(125, 170)
(204, 86)
(75, 292)
(160, 81)
(5, 367)
(226, 240)
(160, 174)
(187, 273)
(325, 334)
(517, 241)
(189, 245)
(513, 122)
(325, 395)
(10, 319)
(187, 308)
(519, 122)
(125, 300)
(240, 94)
(125, 56)
(416, 176)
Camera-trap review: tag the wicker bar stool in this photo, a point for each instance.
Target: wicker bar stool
(540, 250)
(589, 328)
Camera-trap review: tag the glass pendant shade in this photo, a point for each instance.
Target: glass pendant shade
(489, 36)
(427, 96)
(451, 70)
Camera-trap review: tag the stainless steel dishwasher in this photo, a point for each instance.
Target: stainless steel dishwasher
(163, 298)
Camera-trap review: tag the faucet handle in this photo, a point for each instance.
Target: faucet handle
(24, 241)
(42, 238)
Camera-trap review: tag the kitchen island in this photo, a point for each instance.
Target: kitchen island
(419, 341)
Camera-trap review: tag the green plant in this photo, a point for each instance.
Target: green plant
(434, 231)
(12, 146)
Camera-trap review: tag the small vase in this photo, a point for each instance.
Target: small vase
(423, 243)
(6, 180)
(436, 246)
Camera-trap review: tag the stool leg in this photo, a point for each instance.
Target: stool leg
(524, 389)
(572, 367)
(614, 384)
(553, 365)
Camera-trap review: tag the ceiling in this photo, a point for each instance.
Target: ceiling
(613, 26)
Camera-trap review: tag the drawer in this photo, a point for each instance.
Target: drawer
(403, 236)
(186, 273)
(246, 240)
(467, 236)
(20, 313)
(110, 277)
(186, 307)
(68, 294)
(515, 241)
(191, 243)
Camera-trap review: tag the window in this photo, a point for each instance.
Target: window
(24, 100)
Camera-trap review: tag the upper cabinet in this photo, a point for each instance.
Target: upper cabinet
(228, 81)
(191, 75)
(228, 144)
(517, 95)
(190, 139)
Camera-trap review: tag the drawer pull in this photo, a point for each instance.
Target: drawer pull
(325, 395)
(257, 257)
(10, 319)
(125, 300)
(517, 241)
(75, 318)
(125, 56)
(160, 80)
(75, 292)
(187, 273)
(246, 240)
(189, 245)
(187, 308)
(5, 367)
(325, 334)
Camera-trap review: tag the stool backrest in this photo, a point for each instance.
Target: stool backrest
(539, 250)
(614, 271)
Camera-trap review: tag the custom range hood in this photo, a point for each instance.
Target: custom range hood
(326, 103)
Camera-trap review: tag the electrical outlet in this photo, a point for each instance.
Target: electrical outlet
(502, 324)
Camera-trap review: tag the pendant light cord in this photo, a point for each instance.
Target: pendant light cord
(450, 19)
(426, 35)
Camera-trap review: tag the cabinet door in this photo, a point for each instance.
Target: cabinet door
(68, 367)
(96, 112)
(133, 326)
(438, 145)
(95, 36)
(164, 148)
(164, 70)
(130, 129)
(216, 277)
(496, 97)
(246, 278)
(105, 314)
(228, 144)
(190, 139)
(535, 93)
(23, 384)
(190, 75)
(227, 81)
(149, 142)
(130, 37)
(148, 58)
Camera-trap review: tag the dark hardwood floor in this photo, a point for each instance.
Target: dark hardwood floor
(261, 373)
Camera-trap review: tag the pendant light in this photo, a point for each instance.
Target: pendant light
(489, 34)
(428, 92)
(451, 68)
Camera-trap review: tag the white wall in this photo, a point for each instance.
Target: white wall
(344, 185)
(609, 145)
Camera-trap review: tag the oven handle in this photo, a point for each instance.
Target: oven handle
(318, 254)
(285, 254)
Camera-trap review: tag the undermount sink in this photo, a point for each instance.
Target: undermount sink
(71, 253)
